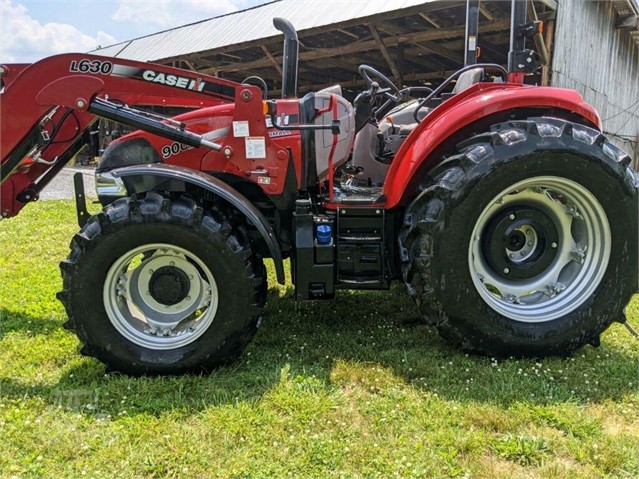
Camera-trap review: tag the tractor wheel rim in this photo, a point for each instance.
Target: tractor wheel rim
(551, 257)
(160, 296)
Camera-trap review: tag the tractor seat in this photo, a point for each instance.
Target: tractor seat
(468, 79)
(324, 138)
(393, 130)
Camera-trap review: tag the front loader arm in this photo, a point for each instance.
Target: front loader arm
(47, 107)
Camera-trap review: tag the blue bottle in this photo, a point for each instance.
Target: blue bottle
(324, 234)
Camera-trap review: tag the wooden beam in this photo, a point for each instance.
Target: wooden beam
(311, 77)
(200, 59)
(401, 62)
(233, 57)
(341, 63)
(334, 73)
(385, 53)
(430, 20)
(429, 35)
(549, 33)
(325, 79)
(203, 63)
(272, 59)
(441, 51)
(552, 4)
(374, 59)
(485, 12)
(389, 28)
(422, 63)
(548, 16)
(352, 35)
(630, 22)
(489, 47)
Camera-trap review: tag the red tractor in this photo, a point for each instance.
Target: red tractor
(509, 216)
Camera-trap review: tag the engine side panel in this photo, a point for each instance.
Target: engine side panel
(252, 148)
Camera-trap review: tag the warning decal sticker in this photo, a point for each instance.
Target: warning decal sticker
(255, 147)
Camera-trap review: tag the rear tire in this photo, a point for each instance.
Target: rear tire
(522, 244)
(159, 286)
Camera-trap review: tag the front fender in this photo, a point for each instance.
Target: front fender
(141, 178)
(460, 111)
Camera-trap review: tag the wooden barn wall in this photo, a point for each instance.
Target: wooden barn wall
(602, 63)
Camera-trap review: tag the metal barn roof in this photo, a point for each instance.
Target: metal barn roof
(413, 41)
(252, 24)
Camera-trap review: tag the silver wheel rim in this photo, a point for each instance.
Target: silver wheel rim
(548, 207)
(160, 296)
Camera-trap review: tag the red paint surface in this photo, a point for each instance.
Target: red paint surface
(463, 109)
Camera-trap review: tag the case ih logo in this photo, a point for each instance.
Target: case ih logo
(174, 80)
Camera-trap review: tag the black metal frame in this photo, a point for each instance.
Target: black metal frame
(521, 59)
(517, 42)
(472, 32)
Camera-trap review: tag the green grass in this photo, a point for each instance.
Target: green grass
(354, 388)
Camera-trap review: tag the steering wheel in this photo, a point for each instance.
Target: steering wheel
(383, 86)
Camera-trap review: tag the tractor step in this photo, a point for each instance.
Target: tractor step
(341, 250)
(361, 252)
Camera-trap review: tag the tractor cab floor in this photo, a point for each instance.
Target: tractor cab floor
(355, 194)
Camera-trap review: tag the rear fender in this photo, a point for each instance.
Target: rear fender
(141, 178)
(415, 156)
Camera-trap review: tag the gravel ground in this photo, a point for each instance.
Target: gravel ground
(61, 187)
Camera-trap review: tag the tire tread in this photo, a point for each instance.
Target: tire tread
(428, 213)
(153, 208)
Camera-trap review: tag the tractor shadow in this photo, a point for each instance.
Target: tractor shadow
(19, 322)
(351, 342)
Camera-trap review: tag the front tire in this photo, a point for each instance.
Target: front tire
(521, 245)
(160, 286)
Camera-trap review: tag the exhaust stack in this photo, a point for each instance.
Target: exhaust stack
(291, 51)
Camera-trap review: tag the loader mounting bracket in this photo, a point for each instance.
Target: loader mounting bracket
(80, 200)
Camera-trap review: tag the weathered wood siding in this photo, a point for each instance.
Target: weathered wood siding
(600, 62)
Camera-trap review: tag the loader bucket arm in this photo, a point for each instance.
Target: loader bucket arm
(47, 107)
